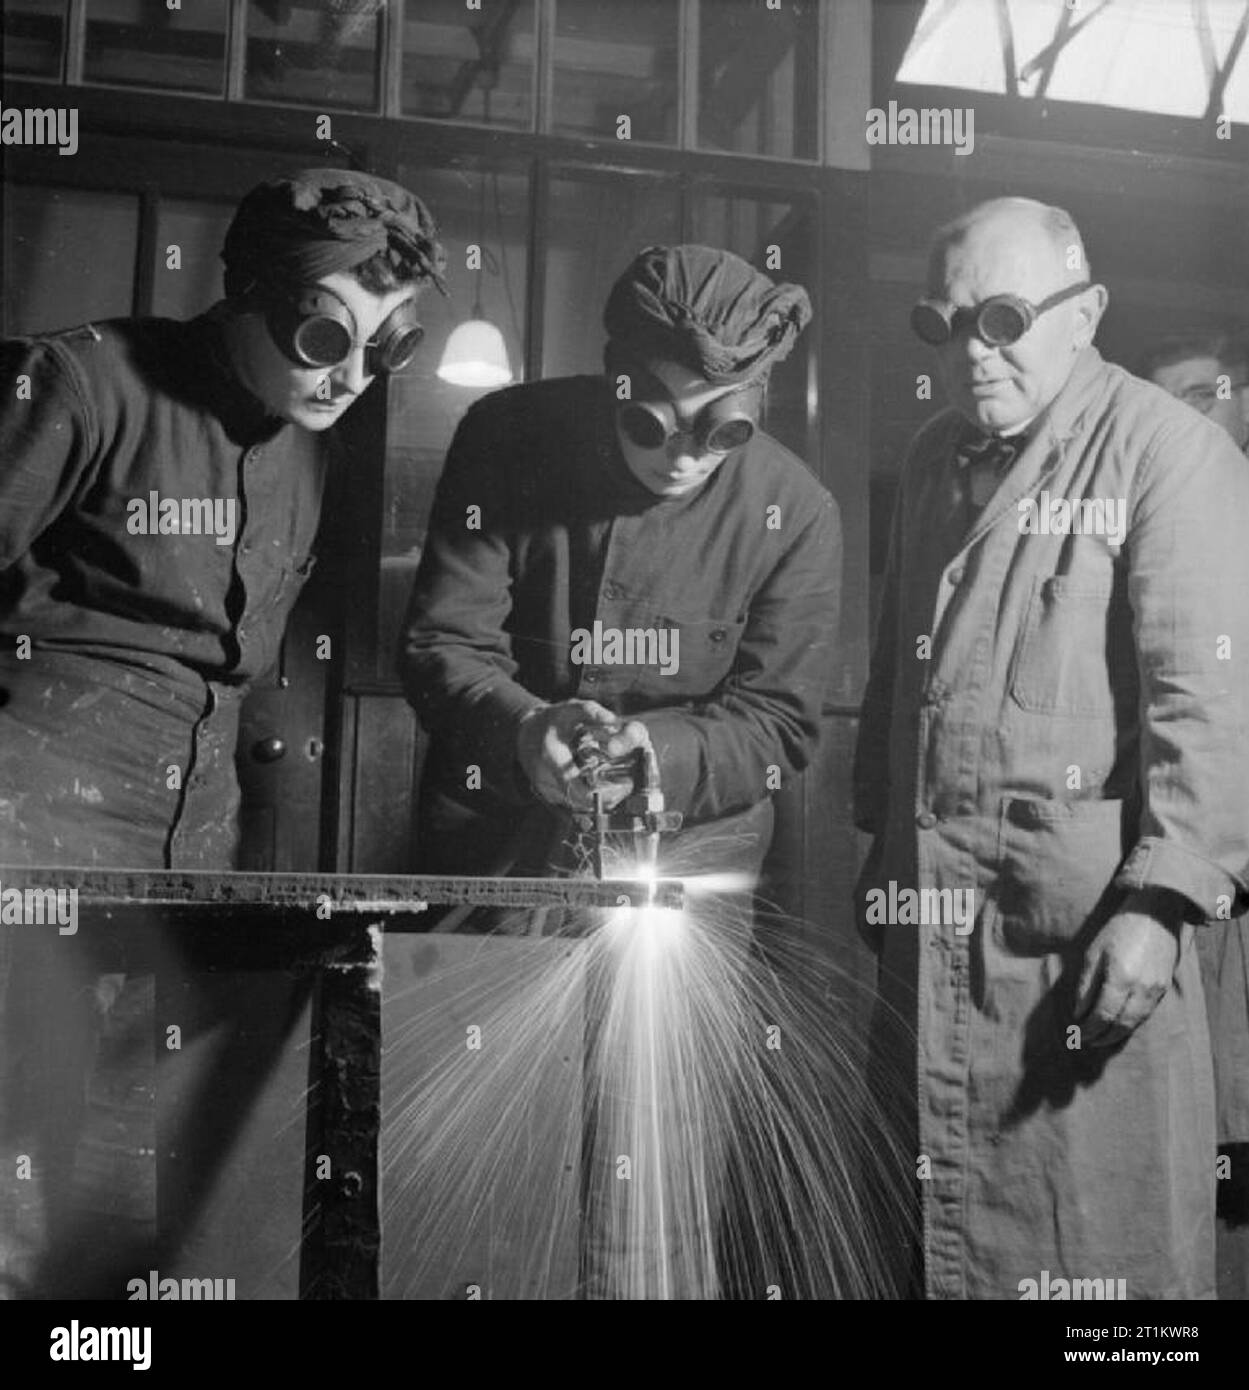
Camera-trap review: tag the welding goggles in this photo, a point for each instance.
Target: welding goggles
(721, 426)
(1000, 320)
(313, 327)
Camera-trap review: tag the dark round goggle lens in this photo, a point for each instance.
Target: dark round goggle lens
(930, 324)
(641, 427)
(322, 342)
(728, 435)
(398, 350)
(1000, 323)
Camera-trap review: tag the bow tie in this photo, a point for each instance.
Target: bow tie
(989, 452)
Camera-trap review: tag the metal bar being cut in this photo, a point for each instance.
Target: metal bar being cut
(392, 894)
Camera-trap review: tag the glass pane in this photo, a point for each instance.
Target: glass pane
(314, 52)
(469, 65)
(780, 238)
(197, 229)
(597, 225)
(68, 257)
(32, 33)
(136, 44)
(1157, 56)
(614, 60)
(758, 78)
(423, 410)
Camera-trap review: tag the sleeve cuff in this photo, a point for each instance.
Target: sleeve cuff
(1156, 863)
(678, 771)
(502, 707)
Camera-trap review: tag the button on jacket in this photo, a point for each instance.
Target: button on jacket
(1077, 730)
(539, 529)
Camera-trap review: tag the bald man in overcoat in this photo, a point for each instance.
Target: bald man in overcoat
(1055, 721)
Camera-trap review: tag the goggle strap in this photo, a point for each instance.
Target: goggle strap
(1069, 293)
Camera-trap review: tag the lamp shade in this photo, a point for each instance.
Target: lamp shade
(475, 355)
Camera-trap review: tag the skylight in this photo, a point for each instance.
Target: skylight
(1173, 57)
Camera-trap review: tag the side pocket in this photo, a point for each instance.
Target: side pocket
(1056, 866)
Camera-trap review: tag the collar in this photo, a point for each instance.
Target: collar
(244, 417)
(1061, 418)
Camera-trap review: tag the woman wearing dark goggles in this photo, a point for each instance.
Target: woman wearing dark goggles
(1000, 320)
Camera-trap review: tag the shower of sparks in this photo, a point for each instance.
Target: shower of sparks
(651, 1108)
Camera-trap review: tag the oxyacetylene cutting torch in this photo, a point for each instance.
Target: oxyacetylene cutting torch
(641, 813)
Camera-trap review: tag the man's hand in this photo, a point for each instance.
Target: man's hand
(544, 748)
(1128, 968)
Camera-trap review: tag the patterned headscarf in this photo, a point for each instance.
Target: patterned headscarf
(308, 225)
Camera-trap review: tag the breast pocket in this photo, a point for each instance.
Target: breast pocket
(1071, 650)
(707, 649)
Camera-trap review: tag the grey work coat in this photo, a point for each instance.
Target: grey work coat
(1077, 730)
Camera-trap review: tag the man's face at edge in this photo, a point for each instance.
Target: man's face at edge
(1202, 374)
(314, 397)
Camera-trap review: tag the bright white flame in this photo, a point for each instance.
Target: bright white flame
(659, 929)
(703, 884)
(651, 930)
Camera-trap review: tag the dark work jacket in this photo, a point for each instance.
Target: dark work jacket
(140, 650)
(539, 529)
(119, 410)
(140, 646)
